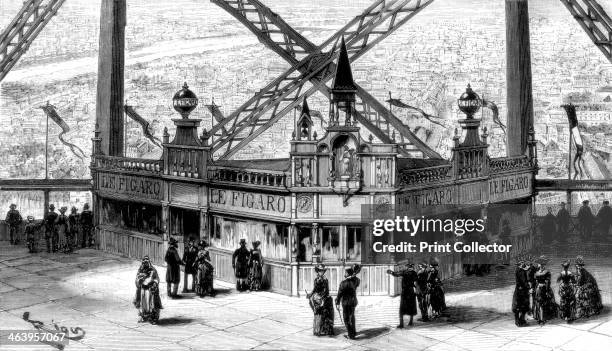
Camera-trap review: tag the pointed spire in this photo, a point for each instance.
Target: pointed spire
(305, 108)
(343, 80)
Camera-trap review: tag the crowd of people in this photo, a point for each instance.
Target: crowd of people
(62, 232)
(558, 227)
(197, 264)
(579, 295)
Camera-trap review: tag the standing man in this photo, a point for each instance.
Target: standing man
(347, 296)
(408, 303)
(51, 236)
(189, 258)
(240, 263)
(563, 223)
(13, 220)
(173, 269)
(585, 219)
(422, 291)
(604, 219)
(73, 229)
(31, 237)
(549, 227)
(86, 220)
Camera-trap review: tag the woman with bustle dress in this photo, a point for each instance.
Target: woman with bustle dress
(147, 298)
(204, 276)
(255, 267)
(588, 296)
(61, 223)
(437, 301)
(567, 295)
(545, 307)
(322, 304)
(408, 299)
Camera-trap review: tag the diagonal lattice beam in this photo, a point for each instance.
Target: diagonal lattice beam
(312, 64)
(595, 22)
(17, 37)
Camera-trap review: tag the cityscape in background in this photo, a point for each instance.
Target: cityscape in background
(427, 63)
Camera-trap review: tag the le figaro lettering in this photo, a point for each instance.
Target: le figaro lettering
(247, 200)
(148, 188)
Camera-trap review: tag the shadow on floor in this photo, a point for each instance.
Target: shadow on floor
(372, 333)
(176, 321)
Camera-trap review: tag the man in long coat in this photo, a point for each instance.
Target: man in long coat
(422, 291)
(86, 220)
(240, 263)
(585, 219)
(408, 303)
(189, 258)
(347, 297)
(51, 235)
(604, 220)
(173, 269)
(563, 223)
(13, 219)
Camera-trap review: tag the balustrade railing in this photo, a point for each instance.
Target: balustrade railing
(263, 178)
(185, 162)
(471, 163)
(505, 164)
(425, 175)
(128, 164)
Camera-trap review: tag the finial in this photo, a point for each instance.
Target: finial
(370, 138)
(393, 136)
(314, 135)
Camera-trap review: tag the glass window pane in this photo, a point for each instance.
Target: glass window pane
(330, 244)
(353, 243)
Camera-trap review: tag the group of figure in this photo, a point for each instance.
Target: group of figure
(198, 265)
(422, 287)
(61, 231)
(248, 267)
(533, 294)
(589, 225)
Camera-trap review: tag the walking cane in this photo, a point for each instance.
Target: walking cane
(339, 313)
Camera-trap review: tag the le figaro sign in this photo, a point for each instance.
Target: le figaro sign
(128, 185)
(249, 201)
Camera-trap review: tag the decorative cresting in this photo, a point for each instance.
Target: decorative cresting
(470, 158)
(275, 179)
(414, 177)
(187, 154)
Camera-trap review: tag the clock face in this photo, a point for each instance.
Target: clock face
(304, 203)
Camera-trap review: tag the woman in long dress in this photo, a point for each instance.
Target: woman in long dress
(147, 298)
(588, 296)
(255, 267)
(61, 224)
(322, 304)
(436, 292)
(545, 306)
(204, 276)
(567, 295)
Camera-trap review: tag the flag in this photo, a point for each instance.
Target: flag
(217, 115)
(129, 110)
(493, 107)
(51, 112)
(401, 104)
(573, 125)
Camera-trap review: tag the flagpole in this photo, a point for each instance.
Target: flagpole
(47, 148)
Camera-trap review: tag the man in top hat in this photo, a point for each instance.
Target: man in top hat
(408, 303)
(347, 297)
(522, 291)
(549, 226)
(585, 220)
(422, 291)
(173, 269)
(51, 235)
(240, 263)
(86, 220)
(604, 219)
(190, 256)
(563, 223)
(13, 219)
(73, 228)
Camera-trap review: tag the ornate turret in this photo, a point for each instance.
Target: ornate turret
(184, 102)
(303, 126)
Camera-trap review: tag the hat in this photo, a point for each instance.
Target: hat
(63, 209)
(173, 242)
(30, 218)
(565, 264)
(585, 202)
(423, 264)
(202, 243)
(562, 203)
(433, 262)
(520, 260)
(242, 241)
(606, 202)
(320, 268)
(146, 259)
(73, 209)
(579, 261)
(86, 206)
(256, 243)
(542, 260)
(52, 207)
(13, 206)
